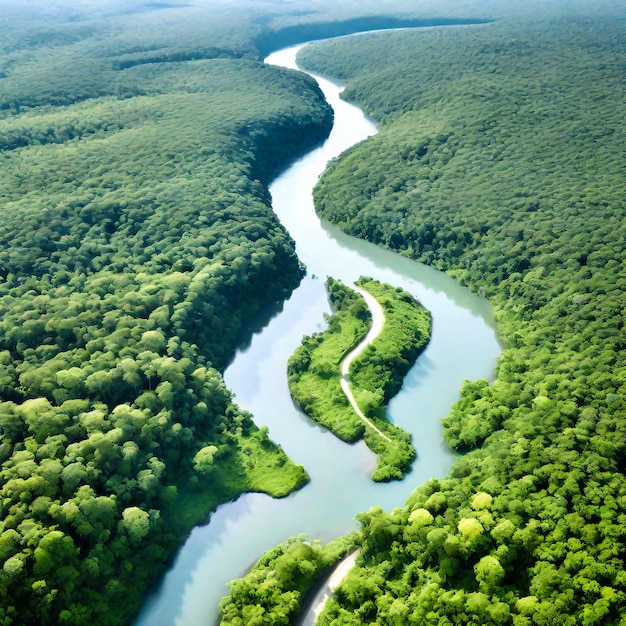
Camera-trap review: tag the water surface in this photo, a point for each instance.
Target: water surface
(463, 346)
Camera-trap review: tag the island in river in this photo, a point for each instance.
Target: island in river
(343, 378)
(463, 345)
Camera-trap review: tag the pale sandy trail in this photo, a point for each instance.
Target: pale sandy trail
(326, 592)
(378, 321)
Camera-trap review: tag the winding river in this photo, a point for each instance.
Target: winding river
(463, 345)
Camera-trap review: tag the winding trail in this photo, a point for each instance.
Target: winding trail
(378, 322)
(326, 592)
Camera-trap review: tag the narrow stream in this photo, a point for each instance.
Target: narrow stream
(463, 346)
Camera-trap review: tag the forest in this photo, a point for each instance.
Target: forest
(500, 160)
(136, 237)
(133, 248)
(137, 141)
(276, 589)
(375, 376)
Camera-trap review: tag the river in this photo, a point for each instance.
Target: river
(463, 346)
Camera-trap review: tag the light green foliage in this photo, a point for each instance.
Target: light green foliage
(470, 528)
(481, 500)
(375, 376)
(136, 523)
(420, 517)
(272, 591)
(204, 459)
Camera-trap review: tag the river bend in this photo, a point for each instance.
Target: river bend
(463, 346)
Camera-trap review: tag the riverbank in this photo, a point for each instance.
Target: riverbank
(515, 196)
(278, 584)
(327, 588)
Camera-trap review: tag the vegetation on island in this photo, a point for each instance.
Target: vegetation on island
(277, 588)
(314, 369)
(406, 333)
(500, 160)
(375, 375)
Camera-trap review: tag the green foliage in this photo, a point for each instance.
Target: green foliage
(500, 160)
(136, 237)
(406, 333)
(314, 368)
(273, 590)
(204, 459)
(375, 375)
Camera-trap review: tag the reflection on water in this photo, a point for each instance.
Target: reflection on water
(463, 345)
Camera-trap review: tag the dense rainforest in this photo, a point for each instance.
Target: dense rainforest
(136, 143)
(501, 160)
(136, 237)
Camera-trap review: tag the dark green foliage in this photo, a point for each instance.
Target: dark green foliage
(310, 30)
(273, 591)
(501, 160)
(71, 52)
(136, 237)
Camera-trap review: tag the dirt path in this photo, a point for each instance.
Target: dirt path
(378, 321)
(327, 589)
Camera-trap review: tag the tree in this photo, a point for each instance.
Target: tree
(136, 523)
(55, 549)
(489, 573)
(203, 461)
